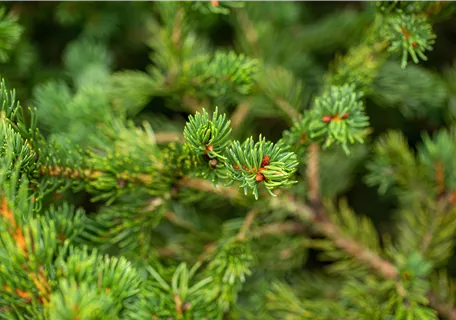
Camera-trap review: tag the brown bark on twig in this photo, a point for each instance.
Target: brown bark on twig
(247, 223)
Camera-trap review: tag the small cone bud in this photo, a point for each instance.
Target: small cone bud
(327, 119)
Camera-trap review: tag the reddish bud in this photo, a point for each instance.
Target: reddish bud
(265, 161)
(215, 4)
(345, 116)
(414, 44)
(209, 148)
(453, 197)
(259, 177)
(61, 237)
(327, 119)
(121, 183)
(213, 163)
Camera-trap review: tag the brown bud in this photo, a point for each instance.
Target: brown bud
(453, 197)
(259, 177)
(327, 119)
(265, 161)
(121, 183)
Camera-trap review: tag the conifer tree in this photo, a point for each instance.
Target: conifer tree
(214, 183)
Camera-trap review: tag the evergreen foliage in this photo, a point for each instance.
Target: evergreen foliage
(167, 170)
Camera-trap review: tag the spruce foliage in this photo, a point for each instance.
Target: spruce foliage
(219, 179)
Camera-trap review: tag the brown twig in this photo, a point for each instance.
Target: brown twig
(249, 31)
(60, 171)
(287, 108)
(192, 103)
(247, 223)
(176, 35)
(278, 228)
(239, 115)
(357, 250)
(165, 137)
(208, 250)
(5, 309)
(178, 303)
(447, 310)
(173, 218)
(313, 177)
(330, 230)
(434, 9)
(204, 185)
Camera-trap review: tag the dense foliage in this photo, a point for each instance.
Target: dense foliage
(227, 160)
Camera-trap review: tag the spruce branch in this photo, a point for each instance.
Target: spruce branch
(216, 7)
(208, 140)
(30, 242)
(231, 265)
(410, 35)
(10, 33)
(307, 214)
(323, 224)
(338, 117)
(223, 76)
(283, 89)
(417, 92)
(427, 213)
(208, 136)
(138, 182)
(359, 66)
(249, 163)
(252, 163)
(429, 9)
(298, 136)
